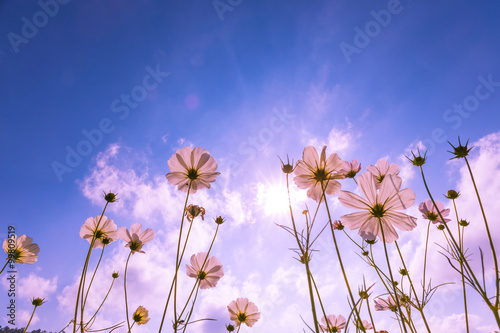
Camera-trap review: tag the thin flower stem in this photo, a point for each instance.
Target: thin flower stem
(425, 260)
(239, 328)
(125, 288)
(321, 303)
(305, 255)
(93, 276)
(460, 240)
(195, 287)
(174, 281)
(479, 289)
(396, 297)
(203, 266)
(81, 286)
(192, 309)
(370, 314)
(8, 260)
(340, 258)
(492, 246)
(29, 322)
(102, 303)
(420, 306)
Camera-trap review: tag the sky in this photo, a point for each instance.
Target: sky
(97, 96)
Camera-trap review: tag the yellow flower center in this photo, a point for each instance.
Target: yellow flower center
(192, 173)
(241, 317)
(320, 175)
(378, 210)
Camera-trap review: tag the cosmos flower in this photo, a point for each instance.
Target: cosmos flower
(192, 211)
(383, 204)
(135, 239)
(140, 315)
(382, 169)
(192, 165)
(351, 169)
(314, 172)
(21, 250)
(106, 231)
(430, 212)
(364, 324)
(332, 323)
(243, 311)
(382, 304)
(209, 273)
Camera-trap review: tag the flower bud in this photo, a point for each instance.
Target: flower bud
(452, 194)
(417, 160)
(37, 301)
(230, 328)
(460, 151)
(287, 168)
(440, 227)
(464, 222)
(219, 220)
(115, 275)
(110, 197)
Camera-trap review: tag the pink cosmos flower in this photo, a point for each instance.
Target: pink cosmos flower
(382, 304)
(243, 311)
(430, 212)
(192, 165)
(21, 249)
(135, 239)
(383, 204)
(351, 169)
(209, 273)
(314, 172)
(364, 324)
(332, 323)
(382, 169)
(106, 231)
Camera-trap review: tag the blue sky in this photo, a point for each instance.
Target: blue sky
(370, 79)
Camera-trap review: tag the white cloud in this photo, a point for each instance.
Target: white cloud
(34, 286)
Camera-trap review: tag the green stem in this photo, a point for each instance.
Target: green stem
(92, 280)
(174, 281)
(5, 265)
(460, 240)
(370, 314)
(420, 306)
(99, 308)
(495, 261)
(340, 259)
(425, 260)
(125, 288)
(29, 322)
(396, 296)
(191, 310)
(81, 286)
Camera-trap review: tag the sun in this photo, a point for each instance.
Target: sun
(273, 197)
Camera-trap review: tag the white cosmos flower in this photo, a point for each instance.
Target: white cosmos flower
(135, 238)
(332, 323)
(243, 311)
(21, 249)
(105, 232)
(382, 169)
(209, 274)
(192, 165)
(383, 204)
(314, 172)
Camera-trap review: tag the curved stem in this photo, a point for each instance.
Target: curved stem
(173, 286)
(461, 243)
(492, 246)
(340, 259)
(99, 308)
(8, 260)
(420, 306)
(425, 260)
(396, 296)
(125, 288)
(93, 276)
(29, 322)
(81, 286)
